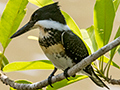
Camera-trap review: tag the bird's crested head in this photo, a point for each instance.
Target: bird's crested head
(48, 17)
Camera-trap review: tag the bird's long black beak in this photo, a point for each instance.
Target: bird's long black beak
(24, 29)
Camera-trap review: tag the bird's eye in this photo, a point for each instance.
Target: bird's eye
(34, 16)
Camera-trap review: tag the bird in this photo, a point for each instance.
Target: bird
(58, 42)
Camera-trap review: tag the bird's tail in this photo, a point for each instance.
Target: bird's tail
(94, 77)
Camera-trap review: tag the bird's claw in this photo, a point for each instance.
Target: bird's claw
(50, 80)
(66, 74)
(50, 77)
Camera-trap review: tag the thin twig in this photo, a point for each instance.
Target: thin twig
(71, 71)
(113, 81)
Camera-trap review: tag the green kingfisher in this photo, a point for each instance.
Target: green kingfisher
(62, 47)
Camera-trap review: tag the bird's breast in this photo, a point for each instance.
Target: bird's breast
(56, 54)
(50, 42)
(57, 48)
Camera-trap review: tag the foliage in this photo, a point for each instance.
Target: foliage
(11, 18)
(95, 36)
(20, 66)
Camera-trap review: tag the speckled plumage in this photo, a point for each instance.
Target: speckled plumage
(70, 46)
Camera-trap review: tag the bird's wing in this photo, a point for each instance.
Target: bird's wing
(76, 50)
(74, 46)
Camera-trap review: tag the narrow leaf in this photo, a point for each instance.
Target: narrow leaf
(65, 82)
(20, 66)
(41, 3)
(116, 4)
(4, 61)
(106, 60)
(10, 20)
(103, 21)
(119, 50)
(89, 37)
(71, 23)
(112, 52)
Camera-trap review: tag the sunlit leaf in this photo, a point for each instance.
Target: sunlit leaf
(104, 14)
(119, 50)
(65, 82)
(20, 66)
(11, 18)
(87, 40)
(89, 37)
(116, 4)
(71, 23)
(112, 52)
(106, 60)
(41, 3)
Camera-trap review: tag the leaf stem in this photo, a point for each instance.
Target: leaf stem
(109, 64)
(99, 72)
(106, 66)
(102, 64)
(1, 58)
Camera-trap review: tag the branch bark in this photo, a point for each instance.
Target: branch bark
(71, 71)
(113, 81)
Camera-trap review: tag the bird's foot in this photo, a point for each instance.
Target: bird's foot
(74, 75)
(50, 77)
(66, 74)
(50, 81)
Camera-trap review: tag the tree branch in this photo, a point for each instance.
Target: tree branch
(113, 81)
(76, 68)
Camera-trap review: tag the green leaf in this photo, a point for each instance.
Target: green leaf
(91, 34)
(10, 20)
(112, 52)
(106, 60)
(41, 3)
(4, 61)
(119, 50)
(104, 14)
(72, 25)
(89, 37)
(65, 82)
(116, 4)
(20, 66)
